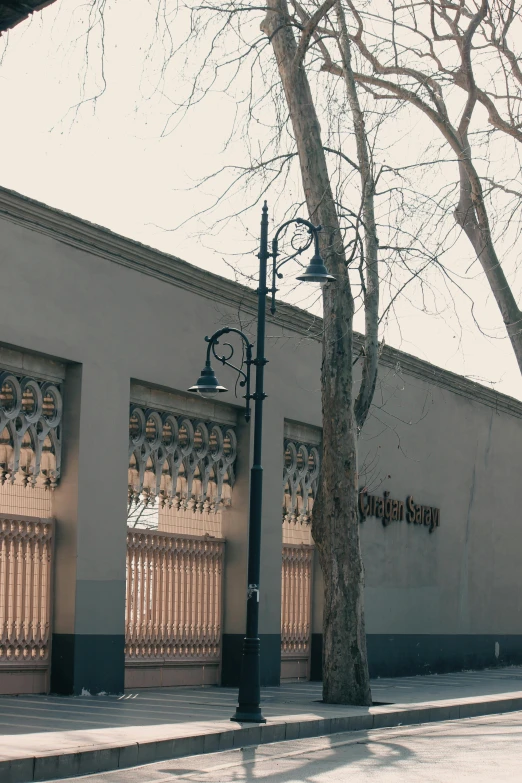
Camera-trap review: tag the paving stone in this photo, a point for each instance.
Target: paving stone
(446, 712)
(101, 760)
(17, 770)
(291, 730)
(226, 740)
(475, 708)
(362, 722)
(273, 732)
(146, 752)
(383, 720)
(60, 765)
(128, 756)
(211, 743)
(247, 735)
(314, 728)
(188, 746)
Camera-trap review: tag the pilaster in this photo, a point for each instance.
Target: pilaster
(90, 510)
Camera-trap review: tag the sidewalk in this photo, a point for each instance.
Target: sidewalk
(49, 737)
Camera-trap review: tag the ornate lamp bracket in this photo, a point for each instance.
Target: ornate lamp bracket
(299, 246)
(244, 376)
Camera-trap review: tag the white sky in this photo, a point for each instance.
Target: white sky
(110, 165)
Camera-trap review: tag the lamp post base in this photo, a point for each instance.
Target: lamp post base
(249, 698)
(240, 716)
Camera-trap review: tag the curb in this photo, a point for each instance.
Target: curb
(104, 759)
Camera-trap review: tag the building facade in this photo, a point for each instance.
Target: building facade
(123, 499)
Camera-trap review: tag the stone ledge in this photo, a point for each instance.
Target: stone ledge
(105, 758)
(100, 241)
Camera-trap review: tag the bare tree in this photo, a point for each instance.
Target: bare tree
(458, 63)
(288, 69)
(286, 97)
(335, 526)
(142, 512)
(349, 238)
(290, 33)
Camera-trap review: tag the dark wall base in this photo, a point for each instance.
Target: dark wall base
(95, 663)
(316, 657)
(404, 655)
(232, 645)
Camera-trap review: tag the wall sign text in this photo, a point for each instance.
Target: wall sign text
(390, 510)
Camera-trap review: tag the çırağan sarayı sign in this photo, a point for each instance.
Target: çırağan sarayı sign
(390, 510)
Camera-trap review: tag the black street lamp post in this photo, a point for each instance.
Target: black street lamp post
(249, 709)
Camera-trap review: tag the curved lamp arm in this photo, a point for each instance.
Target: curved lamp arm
(213, 341)
(313, 232)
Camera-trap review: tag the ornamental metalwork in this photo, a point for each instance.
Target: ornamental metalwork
(174, 597)
(300, 481)
(26, 548)
(30, 431)
(296, 600)
(180, 462)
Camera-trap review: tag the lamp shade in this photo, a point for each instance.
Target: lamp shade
(207, 383)
(316, 272)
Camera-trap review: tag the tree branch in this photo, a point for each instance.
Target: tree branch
(309, 30)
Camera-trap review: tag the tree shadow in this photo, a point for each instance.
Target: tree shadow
(374, 751)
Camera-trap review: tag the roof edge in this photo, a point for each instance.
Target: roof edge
(17, 11)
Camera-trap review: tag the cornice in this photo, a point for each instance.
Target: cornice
(102, 242)
(99, 241)
(27, 363)
(410, 365)
(190, 405)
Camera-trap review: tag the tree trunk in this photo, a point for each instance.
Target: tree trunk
(471, 215)
(371, 242)
(335, 526)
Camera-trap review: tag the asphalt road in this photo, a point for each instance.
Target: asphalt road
(482, 750)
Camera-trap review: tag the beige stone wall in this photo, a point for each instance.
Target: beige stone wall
(118, 314)
(19, 500)
(462, 457)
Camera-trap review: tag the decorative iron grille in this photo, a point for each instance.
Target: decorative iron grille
(30, 431)
(184, 463)
(300, 481)
(174, 596)
(26, 547)
(296, 600)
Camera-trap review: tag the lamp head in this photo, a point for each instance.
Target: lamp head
(207, 383)
(316, 272)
